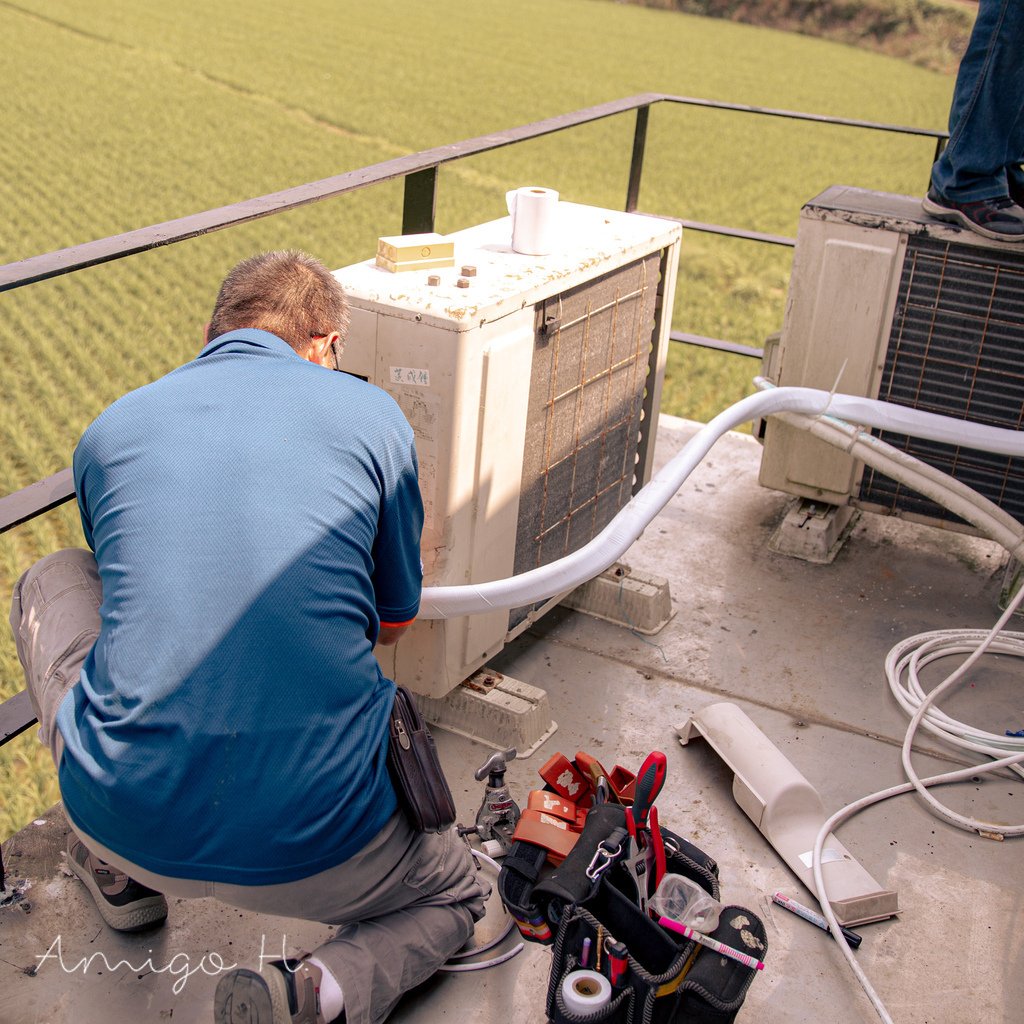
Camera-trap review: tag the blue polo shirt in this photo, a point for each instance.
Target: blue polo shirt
(255, 518)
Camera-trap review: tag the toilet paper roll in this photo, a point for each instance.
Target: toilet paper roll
(534, 214)
(584, 993)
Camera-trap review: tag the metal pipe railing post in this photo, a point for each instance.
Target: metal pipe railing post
(636, 163)
(420, 204)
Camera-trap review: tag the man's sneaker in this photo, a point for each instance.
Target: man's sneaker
(998, 218)
(124, 904)
(287, 992)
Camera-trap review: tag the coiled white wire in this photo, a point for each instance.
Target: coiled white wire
(924, 704)
(902, 668)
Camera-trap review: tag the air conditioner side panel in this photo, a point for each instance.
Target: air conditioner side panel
(659, 360)
(504, 401)
(468, 421)
(838, 315)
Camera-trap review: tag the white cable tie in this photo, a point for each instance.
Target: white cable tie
(839, 376)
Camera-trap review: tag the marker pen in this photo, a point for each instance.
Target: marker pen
(705, 940)
(809, 915)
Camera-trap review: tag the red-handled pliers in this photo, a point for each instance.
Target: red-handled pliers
(644, 814)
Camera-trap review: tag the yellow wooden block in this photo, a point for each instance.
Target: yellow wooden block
(428, 246)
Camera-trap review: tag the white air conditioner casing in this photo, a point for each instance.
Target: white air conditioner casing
(889, 303)
(533, 393)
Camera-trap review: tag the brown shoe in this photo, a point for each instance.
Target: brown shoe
(287, 992)
(126, 905)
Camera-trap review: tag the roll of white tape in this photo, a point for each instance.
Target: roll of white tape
(585, 992)
(534, 214)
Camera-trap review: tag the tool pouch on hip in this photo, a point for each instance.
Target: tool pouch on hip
(416, 772)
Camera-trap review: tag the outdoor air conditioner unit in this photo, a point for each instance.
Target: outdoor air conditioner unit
(533, 390)
(887, 303)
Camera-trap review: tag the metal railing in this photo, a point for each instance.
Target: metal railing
(420, 174)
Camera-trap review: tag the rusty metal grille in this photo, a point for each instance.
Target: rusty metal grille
(584, 422)
(956, 347)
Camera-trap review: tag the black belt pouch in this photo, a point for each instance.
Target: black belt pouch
(416, 773)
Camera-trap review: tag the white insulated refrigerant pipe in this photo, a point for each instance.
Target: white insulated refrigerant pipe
(615, 539)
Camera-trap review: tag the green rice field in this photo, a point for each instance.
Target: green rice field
(116, 116)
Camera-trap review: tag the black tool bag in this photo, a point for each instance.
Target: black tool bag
(416, 772)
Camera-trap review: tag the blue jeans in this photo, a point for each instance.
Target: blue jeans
(986, 119)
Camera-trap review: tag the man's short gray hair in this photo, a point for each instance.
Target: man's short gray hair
(290, 294)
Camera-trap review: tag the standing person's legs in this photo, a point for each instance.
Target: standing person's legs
(987, 113)
(55, 618)
(405, 904)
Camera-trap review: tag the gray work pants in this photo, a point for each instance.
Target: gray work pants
(404, 903)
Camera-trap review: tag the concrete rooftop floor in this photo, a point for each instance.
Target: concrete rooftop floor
(800, 648)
